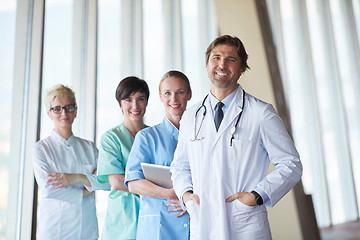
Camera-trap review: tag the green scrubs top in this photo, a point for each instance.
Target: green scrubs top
(123, 207)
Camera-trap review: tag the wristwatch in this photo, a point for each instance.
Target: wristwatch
(258, 198)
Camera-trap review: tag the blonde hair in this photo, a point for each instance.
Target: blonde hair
(176, 74)
(58, 90)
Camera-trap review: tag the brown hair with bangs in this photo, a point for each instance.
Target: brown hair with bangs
(129, 86)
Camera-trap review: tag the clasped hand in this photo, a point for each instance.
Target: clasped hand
(60, 180)
(63, 180)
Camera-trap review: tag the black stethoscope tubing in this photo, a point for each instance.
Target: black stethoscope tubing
(196, 134)
(233, 129)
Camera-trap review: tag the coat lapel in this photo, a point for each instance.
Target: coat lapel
(231, 115)
(209, 121)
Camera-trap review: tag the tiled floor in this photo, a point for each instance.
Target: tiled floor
(346, 231)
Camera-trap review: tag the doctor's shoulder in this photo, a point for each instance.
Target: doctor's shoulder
(191, 111)
(260, 109)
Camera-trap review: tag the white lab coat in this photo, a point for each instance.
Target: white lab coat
(64, 213)
(214, 170)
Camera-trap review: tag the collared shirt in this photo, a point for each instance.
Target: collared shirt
(156, 145)
(123, 207)
(64, 213)
(226, 101)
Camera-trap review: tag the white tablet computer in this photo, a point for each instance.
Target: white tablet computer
(158, 174)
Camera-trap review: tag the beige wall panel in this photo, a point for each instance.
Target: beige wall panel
(239, 18)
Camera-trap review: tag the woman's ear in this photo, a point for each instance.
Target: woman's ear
(190, 95)
(49, 114)
(120, 107)
(162, 97)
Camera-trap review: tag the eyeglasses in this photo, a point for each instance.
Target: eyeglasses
(68, 108)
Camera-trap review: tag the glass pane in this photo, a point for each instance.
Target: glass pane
(154, 56)
(7, 44)
(194, 56)
(108, 76)
(350, 86)
(304, 117)
(326, 117)
(109, 62)
(325, 123)
(328, 86)
(57, 51)
(355, 143)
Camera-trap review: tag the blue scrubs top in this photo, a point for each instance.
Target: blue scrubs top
(156, 145)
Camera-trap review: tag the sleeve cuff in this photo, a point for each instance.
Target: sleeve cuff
(181, 197)
(95, 184)
(263, 195)
(134, 175)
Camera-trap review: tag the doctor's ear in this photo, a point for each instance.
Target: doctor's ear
(189, 95)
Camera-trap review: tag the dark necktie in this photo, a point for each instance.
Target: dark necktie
(218, 115)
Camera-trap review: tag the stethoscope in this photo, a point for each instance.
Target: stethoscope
(232, 130)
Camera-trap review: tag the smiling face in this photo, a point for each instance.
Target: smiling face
(174, 93)
(63, 120)
(134, 106)
(224, 67)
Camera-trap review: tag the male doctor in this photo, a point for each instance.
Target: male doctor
(226, 143)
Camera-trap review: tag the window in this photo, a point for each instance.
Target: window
(7, 44)
(57, 56)
(318, 50)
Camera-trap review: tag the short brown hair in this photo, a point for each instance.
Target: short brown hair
(177, 74)
(231, 41)
(130, 85)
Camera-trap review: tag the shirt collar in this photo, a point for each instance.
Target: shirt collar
(171, 128)
(226, 101)
(62, 140)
